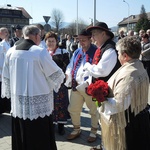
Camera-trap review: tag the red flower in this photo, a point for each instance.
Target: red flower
(98, 90)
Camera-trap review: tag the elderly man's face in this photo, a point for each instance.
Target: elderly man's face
(141, 33)
(148, 32)
(4, 34)
(97, 36)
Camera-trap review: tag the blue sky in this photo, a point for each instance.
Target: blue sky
(109, 11)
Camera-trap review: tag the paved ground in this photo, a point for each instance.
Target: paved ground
(62, 144)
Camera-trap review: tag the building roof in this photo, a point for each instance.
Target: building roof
(9, 7)
(132, 19)
(25, 13)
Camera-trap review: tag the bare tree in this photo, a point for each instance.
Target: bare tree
(57, 18)
(81, 25)
(72, 28)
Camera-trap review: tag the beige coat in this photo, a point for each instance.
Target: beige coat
(130, 88)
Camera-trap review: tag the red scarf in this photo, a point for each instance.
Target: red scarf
(96, 56)
(53, 52)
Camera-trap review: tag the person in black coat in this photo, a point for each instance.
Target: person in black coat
(18, 34)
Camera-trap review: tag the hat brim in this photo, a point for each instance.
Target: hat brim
(100, 28)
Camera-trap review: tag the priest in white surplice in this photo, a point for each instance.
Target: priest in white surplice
(29, 78)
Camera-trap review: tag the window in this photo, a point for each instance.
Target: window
(6, 20)
(17, 21)
(5, 12)
(17, 13)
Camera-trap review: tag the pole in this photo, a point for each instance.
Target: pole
(94, 21)
(128, 14)
(77, 28)
(91, 21)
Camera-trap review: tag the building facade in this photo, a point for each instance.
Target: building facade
(129, 23)
(11, 16)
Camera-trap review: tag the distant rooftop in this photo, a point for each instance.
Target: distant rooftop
(25, 13)
(132, 19)
(10, 7)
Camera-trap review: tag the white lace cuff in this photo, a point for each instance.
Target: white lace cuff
(5, 88)
(55, 80)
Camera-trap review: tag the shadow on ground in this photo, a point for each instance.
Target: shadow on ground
(5, 125)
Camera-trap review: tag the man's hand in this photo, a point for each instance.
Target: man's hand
(81, 87)
(85, 74)
(86, 66)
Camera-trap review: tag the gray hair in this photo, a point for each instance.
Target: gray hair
(30, 30)
(2, 29)
(40, 26)
(129, 45)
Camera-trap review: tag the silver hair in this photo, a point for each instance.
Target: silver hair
(30, 30)
(129, 45)
(2, 29)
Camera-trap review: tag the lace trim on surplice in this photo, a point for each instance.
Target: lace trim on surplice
(5, 88)
(32, 107)
(56, 79)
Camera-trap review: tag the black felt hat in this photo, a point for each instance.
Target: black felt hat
(17, 27)
(84, 32)
(102, 26)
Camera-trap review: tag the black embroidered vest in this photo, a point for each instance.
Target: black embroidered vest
(108, 44)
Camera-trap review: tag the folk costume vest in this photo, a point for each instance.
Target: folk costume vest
(98, 55)
(80, 56)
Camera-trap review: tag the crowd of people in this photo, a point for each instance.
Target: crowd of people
(37, 69)
(144, 38)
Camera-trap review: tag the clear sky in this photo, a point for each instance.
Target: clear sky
(109, 11)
